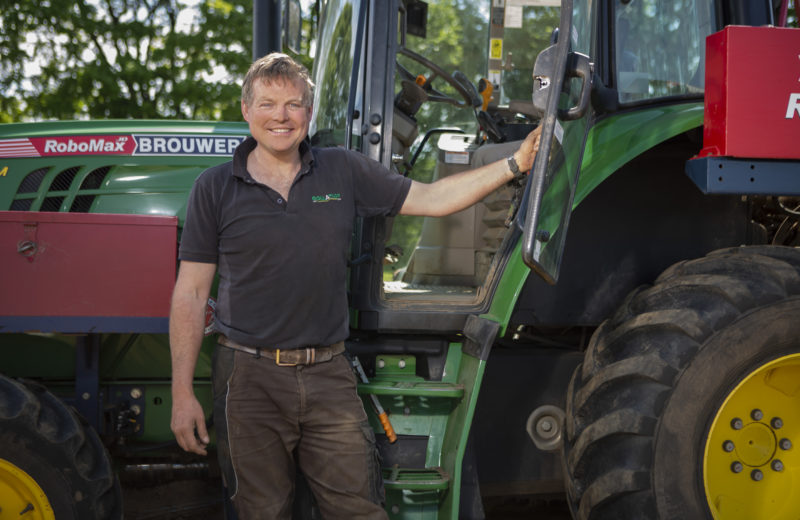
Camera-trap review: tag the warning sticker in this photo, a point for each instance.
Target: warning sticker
(496, 48)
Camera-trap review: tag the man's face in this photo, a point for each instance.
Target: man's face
(277, 116)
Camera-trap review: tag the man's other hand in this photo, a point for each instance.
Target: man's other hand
(188, 417)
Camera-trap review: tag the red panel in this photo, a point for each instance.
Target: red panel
(83, 264)
(752, 104)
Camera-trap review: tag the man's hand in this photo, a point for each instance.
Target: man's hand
(528, 149)
(187, 415)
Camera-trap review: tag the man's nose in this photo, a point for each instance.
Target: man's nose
(281, 113)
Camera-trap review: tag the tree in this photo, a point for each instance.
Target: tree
(123, 58)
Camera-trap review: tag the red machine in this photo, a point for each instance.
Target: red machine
(114, 272)
(739, 98)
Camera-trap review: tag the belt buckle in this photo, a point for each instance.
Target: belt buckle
(278, 360)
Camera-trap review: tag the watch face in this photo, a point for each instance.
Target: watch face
(512, 163)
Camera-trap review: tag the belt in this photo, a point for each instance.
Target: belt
(287, 358)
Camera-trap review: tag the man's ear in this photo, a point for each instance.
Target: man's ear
(244, 111)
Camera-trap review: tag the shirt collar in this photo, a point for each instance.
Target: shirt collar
(247, 146)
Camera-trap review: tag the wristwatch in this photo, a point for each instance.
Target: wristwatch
(514, 167)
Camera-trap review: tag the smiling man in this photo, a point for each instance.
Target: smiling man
(275, 223)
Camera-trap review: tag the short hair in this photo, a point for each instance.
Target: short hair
(274, 66)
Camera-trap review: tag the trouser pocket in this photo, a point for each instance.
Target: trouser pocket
(376, 490)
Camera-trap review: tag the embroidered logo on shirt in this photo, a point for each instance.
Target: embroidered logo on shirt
(326, 198)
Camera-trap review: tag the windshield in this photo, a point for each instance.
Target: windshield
(333, 71)
(660, 47)
(463, 87)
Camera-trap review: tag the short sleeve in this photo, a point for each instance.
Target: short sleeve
(199, 239)
(377, 191)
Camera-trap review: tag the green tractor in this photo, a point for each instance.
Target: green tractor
(619, 333)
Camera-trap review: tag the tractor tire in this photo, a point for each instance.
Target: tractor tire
(52, 465)
(688, 399)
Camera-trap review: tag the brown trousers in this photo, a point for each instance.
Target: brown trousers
(271, 419)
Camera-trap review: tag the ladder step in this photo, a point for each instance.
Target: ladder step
(428, 479)
(413, 388)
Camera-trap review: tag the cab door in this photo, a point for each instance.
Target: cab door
(562, 86)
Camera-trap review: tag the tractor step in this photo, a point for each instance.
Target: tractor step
(417, 486)
(413, 388)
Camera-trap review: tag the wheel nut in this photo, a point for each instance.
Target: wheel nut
(737, 424)
(728, 446)
(785, 444)
(777, 423)
(737, 467)
(777, 465)
(757, 414)
(756, 475)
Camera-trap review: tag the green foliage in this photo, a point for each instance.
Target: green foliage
(123, 58)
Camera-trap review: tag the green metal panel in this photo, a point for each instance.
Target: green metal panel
(610, 144)
(50, 357)
(109, 182)
(616, 140)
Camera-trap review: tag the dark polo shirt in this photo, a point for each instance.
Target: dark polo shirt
(283, 264)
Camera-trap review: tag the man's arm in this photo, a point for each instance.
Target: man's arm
(464, 189)
(186, 326)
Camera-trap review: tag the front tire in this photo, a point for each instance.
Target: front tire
(672, 414)
(51, 464)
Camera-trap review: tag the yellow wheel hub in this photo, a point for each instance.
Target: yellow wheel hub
(751, 468)
(20, 495)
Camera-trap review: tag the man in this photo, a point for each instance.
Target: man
(284, 396)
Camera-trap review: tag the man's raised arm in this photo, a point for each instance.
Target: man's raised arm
(462, 190)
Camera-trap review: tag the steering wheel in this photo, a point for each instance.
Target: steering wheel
(436, 72)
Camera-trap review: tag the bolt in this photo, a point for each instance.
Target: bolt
(756, 475)
(737, 467)
(777, 423)
(777, 465)
(401, 363)
(546, 425)
(785, 444)
(406, 411)
(381, 363)
(737, 424)
(728, 446)
(136, 393)
(136, 409)
(395, 509)
(757, 414)
(86, 396)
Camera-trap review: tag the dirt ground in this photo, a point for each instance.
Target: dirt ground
(202, 500)
(180, 500)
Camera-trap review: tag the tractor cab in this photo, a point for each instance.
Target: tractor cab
(448, 90)
(434, 88)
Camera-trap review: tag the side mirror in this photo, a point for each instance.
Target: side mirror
(417, 18)
(292, 25)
